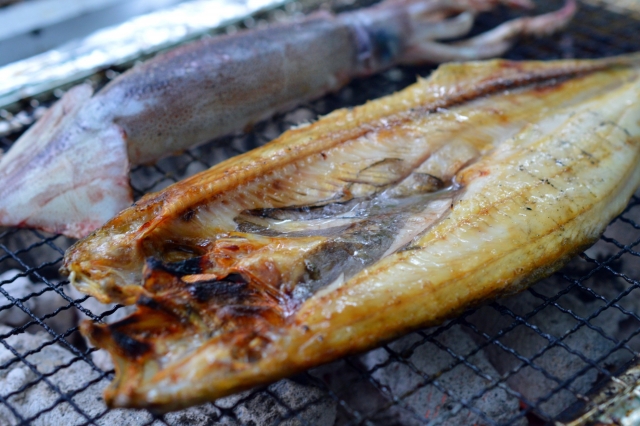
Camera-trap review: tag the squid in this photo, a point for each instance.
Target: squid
(69, 173)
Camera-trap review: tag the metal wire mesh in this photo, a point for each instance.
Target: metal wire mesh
(528, 359)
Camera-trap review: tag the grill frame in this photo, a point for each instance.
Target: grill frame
(595, 32)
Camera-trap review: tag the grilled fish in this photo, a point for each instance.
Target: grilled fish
(69, 173)
(371, 222)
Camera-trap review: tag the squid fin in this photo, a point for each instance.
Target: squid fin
(66, 174)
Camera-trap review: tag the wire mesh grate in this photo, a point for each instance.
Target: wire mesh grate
(530, 359)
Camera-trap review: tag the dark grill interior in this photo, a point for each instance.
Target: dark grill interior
(529, 359)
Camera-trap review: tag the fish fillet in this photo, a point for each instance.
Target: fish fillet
(369, 223)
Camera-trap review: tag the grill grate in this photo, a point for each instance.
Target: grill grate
(529, 359)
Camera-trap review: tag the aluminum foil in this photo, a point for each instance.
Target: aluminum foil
(119, 44)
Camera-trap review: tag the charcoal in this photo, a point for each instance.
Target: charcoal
(26, 248)
(41, 306)
(576, 358)
(286, 403)
(410, 362)
(19, 289)
(348, 381)
(65, 374)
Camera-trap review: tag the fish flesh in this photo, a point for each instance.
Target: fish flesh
(364, 225)
(69, 173)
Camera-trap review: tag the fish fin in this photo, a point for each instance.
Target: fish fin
(58, 168)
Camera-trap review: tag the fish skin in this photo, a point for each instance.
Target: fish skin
(552, 158)
(218, 86)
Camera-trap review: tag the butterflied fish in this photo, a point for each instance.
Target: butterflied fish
(362, 226)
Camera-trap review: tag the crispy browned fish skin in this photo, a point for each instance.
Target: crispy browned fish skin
(528, 205)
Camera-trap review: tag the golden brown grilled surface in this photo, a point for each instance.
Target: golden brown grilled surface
(369, 223)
